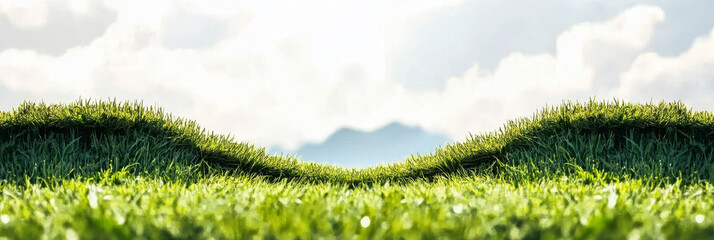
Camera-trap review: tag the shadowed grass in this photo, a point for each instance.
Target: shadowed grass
(658, 142)
(592, 170)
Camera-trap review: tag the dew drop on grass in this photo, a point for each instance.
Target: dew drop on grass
(652, 202)
(92, 197)
(407, 224)
(5, 219)
(515, 233)
(364, 222)
(611, 200)
(699, 218)
(119, 217)
(584, 221)
(71, 235)
(458, 208)
(634, 235)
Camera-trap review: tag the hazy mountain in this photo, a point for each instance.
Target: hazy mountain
(353, 148)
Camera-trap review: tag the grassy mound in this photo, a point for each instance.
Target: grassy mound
(654, 141)
(595, 170)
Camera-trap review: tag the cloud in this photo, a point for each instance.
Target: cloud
(523, 83)
(294, 72)
(65, 24)
(275, 74)
(687, 76)
(675, 35)
(192, 31)
(25, 14)
(437, 46)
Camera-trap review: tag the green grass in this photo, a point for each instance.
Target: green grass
(455, 208)
(107, 169)
(79, 139)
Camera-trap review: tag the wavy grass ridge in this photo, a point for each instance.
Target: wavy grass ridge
(664, 140)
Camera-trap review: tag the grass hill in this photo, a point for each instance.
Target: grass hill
(658, 141)
(594, 170)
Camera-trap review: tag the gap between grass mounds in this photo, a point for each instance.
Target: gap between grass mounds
(78, 139)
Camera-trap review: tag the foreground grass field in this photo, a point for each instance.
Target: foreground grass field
(595, 170)
(456, 208)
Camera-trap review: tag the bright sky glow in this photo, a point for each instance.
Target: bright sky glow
(290, 72)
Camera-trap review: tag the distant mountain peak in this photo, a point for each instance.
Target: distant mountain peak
(348, 147)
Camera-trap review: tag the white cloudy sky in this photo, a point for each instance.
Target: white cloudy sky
(290, 72)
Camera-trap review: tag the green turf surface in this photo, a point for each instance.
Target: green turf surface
(457, 208)
(579, 170)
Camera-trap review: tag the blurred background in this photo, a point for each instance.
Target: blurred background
(356, 83)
